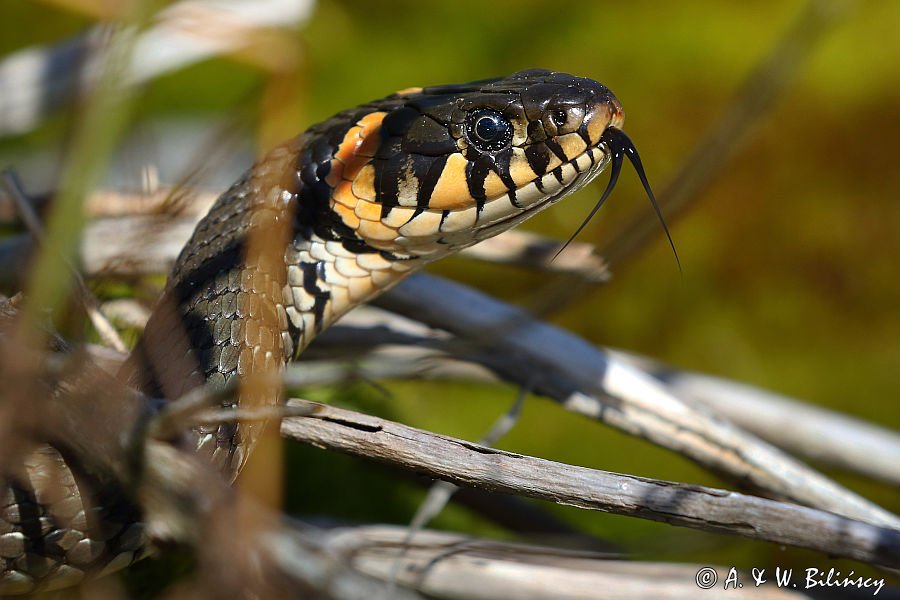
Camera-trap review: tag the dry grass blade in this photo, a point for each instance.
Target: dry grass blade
(106, 330)
(755, 98)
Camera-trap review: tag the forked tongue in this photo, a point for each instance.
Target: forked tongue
(620, 145)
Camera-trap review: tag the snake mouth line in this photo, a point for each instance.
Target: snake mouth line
(586, 166)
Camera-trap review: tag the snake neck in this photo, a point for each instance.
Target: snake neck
(265, 271)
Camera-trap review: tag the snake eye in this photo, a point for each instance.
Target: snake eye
(560, 121)
(488, 130)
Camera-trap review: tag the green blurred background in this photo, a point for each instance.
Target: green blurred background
(790, 258)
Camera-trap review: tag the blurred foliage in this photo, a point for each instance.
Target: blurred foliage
(790, 259)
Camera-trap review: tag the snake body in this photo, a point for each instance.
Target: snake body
(321, 224)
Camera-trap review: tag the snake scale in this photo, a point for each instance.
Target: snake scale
(321, 224)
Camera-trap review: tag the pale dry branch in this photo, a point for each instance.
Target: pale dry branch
(586, 380)
(820, 434)
(108, 204)
(533, 251)
(708, 509)
(450, 565)
(40, 79)
(374, 344)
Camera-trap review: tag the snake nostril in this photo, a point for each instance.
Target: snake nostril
(559, 117)
(617, 115)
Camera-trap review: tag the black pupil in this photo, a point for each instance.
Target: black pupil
(488, 130)
(559, 117)
(489, 127)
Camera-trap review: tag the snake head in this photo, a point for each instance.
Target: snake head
(431, 170)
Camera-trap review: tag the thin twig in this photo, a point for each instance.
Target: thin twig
(440, 492)
(104, 328)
